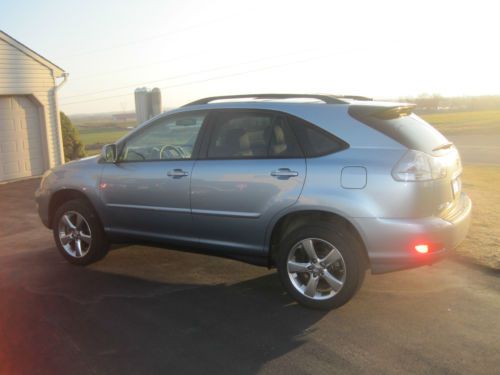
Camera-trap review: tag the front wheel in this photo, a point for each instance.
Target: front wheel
(321, 266)
(78, 233)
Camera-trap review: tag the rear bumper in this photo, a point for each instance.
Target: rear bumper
(390, 242)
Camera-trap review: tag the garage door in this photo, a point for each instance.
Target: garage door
(21, 147)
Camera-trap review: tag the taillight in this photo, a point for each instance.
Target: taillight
(419, 166)
(422, 248)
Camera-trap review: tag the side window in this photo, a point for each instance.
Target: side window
(252, 135)
(315, 141)
(166, 138)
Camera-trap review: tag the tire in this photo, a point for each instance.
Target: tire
(314, 279)
(76, 222)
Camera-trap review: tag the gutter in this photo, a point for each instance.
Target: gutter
(65, 78)
(58, 117)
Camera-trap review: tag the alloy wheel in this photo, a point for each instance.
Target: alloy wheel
(316, 268)
(74, 234)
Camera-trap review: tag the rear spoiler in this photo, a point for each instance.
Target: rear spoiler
(381, 112)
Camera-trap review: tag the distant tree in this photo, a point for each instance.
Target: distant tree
(436, 102)
(73, 146)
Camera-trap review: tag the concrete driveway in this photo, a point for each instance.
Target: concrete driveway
(150, 311)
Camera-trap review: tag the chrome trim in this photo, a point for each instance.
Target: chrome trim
(151, 208)
(246, 215)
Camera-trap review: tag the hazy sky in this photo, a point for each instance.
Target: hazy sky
(191, 49)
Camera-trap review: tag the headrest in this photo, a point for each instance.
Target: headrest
(244, 142)
(279, 135)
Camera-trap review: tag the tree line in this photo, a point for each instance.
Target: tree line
(436, 102)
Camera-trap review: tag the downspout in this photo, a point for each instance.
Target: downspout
(58, 117)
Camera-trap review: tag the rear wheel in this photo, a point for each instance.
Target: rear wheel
(321, 266)
(78, 233)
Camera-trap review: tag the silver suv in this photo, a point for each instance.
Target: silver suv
(321, 187)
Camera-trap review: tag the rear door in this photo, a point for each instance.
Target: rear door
(251, 167)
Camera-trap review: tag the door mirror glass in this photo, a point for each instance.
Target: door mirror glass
(108, 153)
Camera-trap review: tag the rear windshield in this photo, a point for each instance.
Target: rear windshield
(410, 130)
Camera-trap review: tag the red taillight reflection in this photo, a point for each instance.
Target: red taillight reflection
(422, 249)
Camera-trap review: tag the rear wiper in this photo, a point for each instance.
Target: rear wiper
(443, 146)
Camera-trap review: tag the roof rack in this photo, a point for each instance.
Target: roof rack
(328, 99)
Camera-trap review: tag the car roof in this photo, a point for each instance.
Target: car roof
(289, 103)
(325, 98)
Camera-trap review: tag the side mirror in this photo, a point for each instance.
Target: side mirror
(108, 153)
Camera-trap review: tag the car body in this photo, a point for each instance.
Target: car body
(218, 188)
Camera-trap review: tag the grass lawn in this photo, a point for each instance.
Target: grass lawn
(482, 245)
(479, 122)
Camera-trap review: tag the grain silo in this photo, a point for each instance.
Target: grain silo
(142, 105)
(147, 103)
(155, 96)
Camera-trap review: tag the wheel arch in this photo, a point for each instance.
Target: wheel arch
(289, 221)
(64, 195)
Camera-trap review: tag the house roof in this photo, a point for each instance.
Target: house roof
(58, 71)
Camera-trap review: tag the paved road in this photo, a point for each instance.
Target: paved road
(149, 311)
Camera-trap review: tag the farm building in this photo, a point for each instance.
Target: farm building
(30, 132)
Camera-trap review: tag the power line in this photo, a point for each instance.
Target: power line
(132, 67)
(152, 37)
(207, 79)
(183, 75)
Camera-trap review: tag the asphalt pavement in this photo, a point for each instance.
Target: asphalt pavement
(149, 311)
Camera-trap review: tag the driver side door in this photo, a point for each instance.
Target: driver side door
(146, 192)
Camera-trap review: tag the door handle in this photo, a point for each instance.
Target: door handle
(284, 173)
(177, 173)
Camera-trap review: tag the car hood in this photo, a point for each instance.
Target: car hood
(82, 162)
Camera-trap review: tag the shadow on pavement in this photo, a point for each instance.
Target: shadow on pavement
(470, 263)
(58, 318)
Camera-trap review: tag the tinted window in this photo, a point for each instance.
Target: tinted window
(252, 135)
(315, 141)
(414, 133)
(409, 130)
(167, 138)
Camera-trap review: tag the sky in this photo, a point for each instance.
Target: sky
(192, 48)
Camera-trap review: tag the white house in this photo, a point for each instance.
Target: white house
(30, 132)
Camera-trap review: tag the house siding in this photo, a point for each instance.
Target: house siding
(20, 74)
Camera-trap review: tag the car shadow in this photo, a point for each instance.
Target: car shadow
(471, 263)
(62, 318)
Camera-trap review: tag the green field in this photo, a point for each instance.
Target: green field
(95, 133)
(477, 122)
(94, 139)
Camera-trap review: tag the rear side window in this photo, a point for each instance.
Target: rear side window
(242, 135)
(315, 141)
(408, 129)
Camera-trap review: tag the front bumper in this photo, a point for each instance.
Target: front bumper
(390, 242)
(42, 202)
